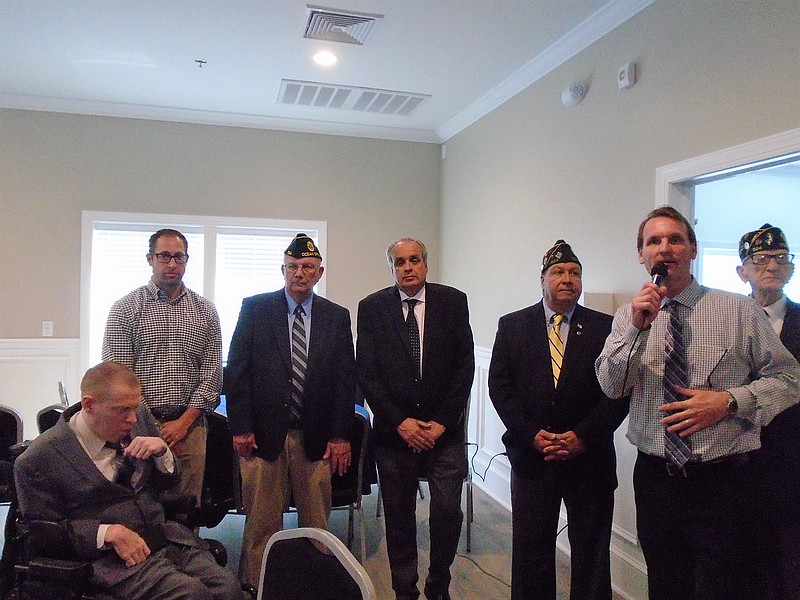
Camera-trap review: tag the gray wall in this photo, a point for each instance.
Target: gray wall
(712, 74)
(53, 166)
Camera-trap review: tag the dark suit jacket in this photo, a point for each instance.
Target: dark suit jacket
(258, 382)
(389, 378)
(780, 439)
(57, 481)
(521, 388)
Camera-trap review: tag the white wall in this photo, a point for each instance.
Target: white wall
(712, 74)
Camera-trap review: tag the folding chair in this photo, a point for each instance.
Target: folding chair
(311, 564)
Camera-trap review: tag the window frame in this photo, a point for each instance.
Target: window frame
(209, 225)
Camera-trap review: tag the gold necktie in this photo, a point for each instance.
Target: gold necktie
(556, 347)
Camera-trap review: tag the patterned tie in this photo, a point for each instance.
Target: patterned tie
(124, 466)
(299, 364)
(413, 332)
(556, 346)
(678, 449)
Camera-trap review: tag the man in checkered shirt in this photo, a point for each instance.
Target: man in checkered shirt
(700, 524)
(170, 337)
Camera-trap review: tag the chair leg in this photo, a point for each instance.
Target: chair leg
(363, 530)
(350, 528)
(380, 500)
(470, 515)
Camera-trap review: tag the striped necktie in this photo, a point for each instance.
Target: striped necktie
(556, 346)
(299, 365)
(678, 449)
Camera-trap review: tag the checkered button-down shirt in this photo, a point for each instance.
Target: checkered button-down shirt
(730, 346)
(173, 346)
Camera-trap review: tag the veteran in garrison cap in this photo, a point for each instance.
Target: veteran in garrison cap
(559, 436)
(290, 385)
(767, 266)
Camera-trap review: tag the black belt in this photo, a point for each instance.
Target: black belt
(698, 470)
(168, 413)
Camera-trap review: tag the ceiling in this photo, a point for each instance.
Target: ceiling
(139, 58)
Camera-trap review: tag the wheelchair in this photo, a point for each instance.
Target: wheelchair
(38, 562)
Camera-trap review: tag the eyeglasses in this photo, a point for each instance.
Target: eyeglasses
(307, 269)
(165, 257)
(763, 259)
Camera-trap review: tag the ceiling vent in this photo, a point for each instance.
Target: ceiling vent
(348, 97)
(333, 25)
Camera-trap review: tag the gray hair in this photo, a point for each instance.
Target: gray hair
(390, 258)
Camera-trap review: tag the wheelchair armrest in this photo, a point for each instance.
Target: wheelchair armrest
(71, 572)
(47, 539)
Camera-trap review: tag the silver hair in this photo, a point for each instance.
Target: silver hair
(390, 258)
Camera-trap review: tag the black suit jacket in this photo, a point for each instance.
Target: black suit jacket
(388, 376)
(780, 439)
(57, 481)
(258, 382)
(521, 388)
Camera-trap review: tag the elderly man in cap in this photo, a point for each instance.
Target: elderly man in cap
(290, 385)
(560, 433)
(767, 266)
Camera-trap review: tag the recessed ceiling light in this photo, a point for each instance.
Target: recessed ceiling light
(325, 58)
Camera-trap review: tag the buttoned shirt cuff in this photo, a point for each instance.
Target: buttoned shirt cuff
(166, 462)
(101, 536)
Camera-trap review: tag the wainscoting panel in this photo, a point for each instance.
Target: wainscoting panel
(30, 371)
(492, 473)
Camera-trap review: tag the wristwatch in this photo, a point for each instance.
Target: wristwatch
(733, 405)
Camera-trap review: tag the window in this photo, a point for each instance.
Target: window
(229, 259)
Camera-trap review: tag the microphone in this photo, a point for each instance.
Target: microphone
(657, 274)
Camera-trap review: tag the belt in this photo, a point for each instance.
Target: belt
(167, 413)
(697, 470)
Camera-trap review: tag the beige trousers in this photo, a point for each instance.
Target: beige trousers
(267, 488)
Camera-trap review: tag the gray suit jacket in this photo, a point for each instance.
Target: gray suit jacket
(57, 481)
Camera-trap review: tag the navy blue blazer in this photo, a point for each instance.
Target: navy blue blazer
(522, 391)
(258, 377)
(389, 378)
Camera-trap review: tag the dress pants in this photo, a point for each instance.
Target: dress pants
(399, 471)
(535, 505)
(267, 488)
(779, 461)
(179, 572)
(702, 535)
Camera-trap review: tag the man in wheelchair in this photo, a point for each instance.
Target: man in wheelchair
(98, 474)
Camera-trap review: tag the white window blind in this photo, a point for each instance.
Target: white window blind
(242, 257)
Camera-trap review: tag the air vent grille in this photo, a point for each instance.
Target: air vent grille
(325, 95)
(336, 26)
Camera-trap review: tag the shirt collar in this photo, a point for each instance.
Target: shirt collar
(777, 310)
(549, 312)
(157, 292)
(420, 295)
(88, 438)
(292, 303)
(688, 297)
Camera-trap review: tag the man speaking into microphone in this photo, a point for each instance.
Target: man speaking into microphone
(705, 371)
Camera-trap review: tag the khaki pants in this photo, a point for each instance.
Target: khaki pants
(266, 490)
(191, 456)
